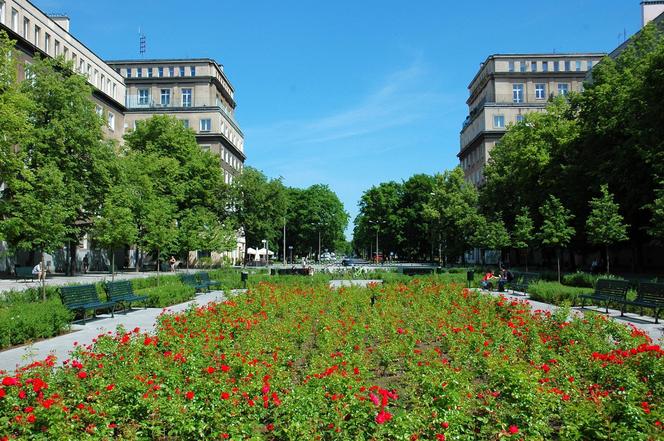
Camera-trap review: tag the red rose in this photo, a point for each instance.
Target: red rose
(190, 395)
(9, 381)
(513, 430)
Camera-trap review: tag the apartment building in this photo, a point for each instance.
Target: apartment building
(48, 36)
(507, 87)
(197, 92)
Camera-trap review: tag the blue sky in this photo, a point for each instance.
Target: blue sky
(349, 93)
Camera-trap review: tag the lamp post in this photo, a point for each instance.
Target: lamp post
(267, 253)
(284, 240)
(377, 224)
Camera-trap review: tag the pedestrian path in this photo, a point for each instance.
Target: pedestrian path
(645, 323)
(20, 285)
(61, 346)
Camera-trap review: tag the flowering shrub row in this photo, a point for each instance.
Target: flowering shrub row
(295, 361)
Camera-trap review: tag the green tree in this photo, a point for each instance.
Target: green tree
(67, 133)
(37, 217)
(259, 206)
(656, 227)
(605, 224)
(159, 227)
(489, 235)
(523, 232)
(200, 229)
(453, 213)
(556, 231)
(115, 226)
(417, 230)
(379, 218)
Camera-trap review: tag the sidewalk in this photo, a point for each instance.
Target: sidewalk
(60, 346)
(20, 285)
(645, 323)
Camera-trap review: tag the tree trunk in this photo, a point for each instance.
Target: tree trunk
(112, 266)
(43, 279)
(526, 259)
(158, 267)
(71, 267)
(558, 259)
(608, 267)
(138, 258)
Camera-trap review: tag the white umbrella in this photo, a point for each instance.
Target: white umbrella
(261, 252)
(251, 251)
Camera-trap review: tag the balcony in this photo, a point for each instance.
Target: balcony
(141, 102)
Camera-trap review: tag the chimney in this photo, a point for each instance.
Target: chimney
(63, 20)
(651, 9)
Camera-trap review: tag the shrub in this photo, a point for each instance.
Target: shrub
(22, 322)
(554, 292)
(151, 282)
(167, 295)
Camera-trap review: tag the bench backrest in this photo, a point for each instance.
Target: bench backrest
(611, 287)
(119, 290)
(524, 277)
(188, 279)
(204, 277)
(23, 270)
(651, 292)
(79, 295)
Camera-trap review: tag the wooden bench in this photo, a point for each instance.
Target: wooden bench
(122, 292)
(190, 280)
(84, 298)
(23, 272)
(204, 278)
(649, 295)
(607, 290)
(521, 281)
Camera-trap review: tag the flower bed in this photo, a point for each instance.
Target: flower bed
(294, 361)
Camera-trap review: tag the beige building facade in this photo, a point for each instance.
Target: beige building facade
(506, 88)
(195, 91)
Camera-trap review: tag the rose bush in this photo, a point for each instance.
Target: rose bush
(428, 360)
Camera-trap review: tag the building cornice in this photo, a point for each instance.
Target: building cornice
(211, 137)
(484, 134)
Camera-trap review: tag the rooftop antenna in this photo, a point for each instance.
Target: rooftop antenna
(141, 42)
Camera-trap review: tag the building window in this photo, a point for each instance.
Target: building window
(47, 42)
(26, 28)
(111, 121)
(590, 64)
(568, 66)
(181, 71)
(517, 93)
(65, 53)
(103, 83)
(2, 12)
(95, 77)
(171, 71)
(57, 48)
(99, 110)
(523, 65)
(205, 147)
(540, 91)
(165, 97)
(545, 66)
(139, 72)
(206, 125)
(578, 65)
(149, 72)
(185, 123)
(563, 89)
(114, 87)
(498, 121)
(556, 66)
(186, 97)
(519, 118)
(15, 20)
(129, 72)
(193, 71)
(143, 97)
(533, 66)
(511, 66)
(160, 72)
(37, 35)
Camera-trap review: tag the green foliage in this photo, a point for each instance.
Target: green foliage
(656, 227)
(605, 224)
(523, 231)
(555, 293)
(22, 321)
(167, 295)
(200, 229)
(490, 234)
(453, 212)
(555, 231)
(259, 206)
(585, 280)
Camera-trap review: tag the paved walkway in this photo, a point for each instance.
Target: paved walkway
(20, 285)
(61, 346)
(645, 323)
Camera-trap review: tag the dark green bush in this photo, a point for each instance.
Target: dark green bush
(167, 295)
(555, 293)
(151, 282)
(22, 322)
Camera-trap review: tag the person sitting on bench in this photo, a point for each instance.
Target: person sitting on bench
(487, 280)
